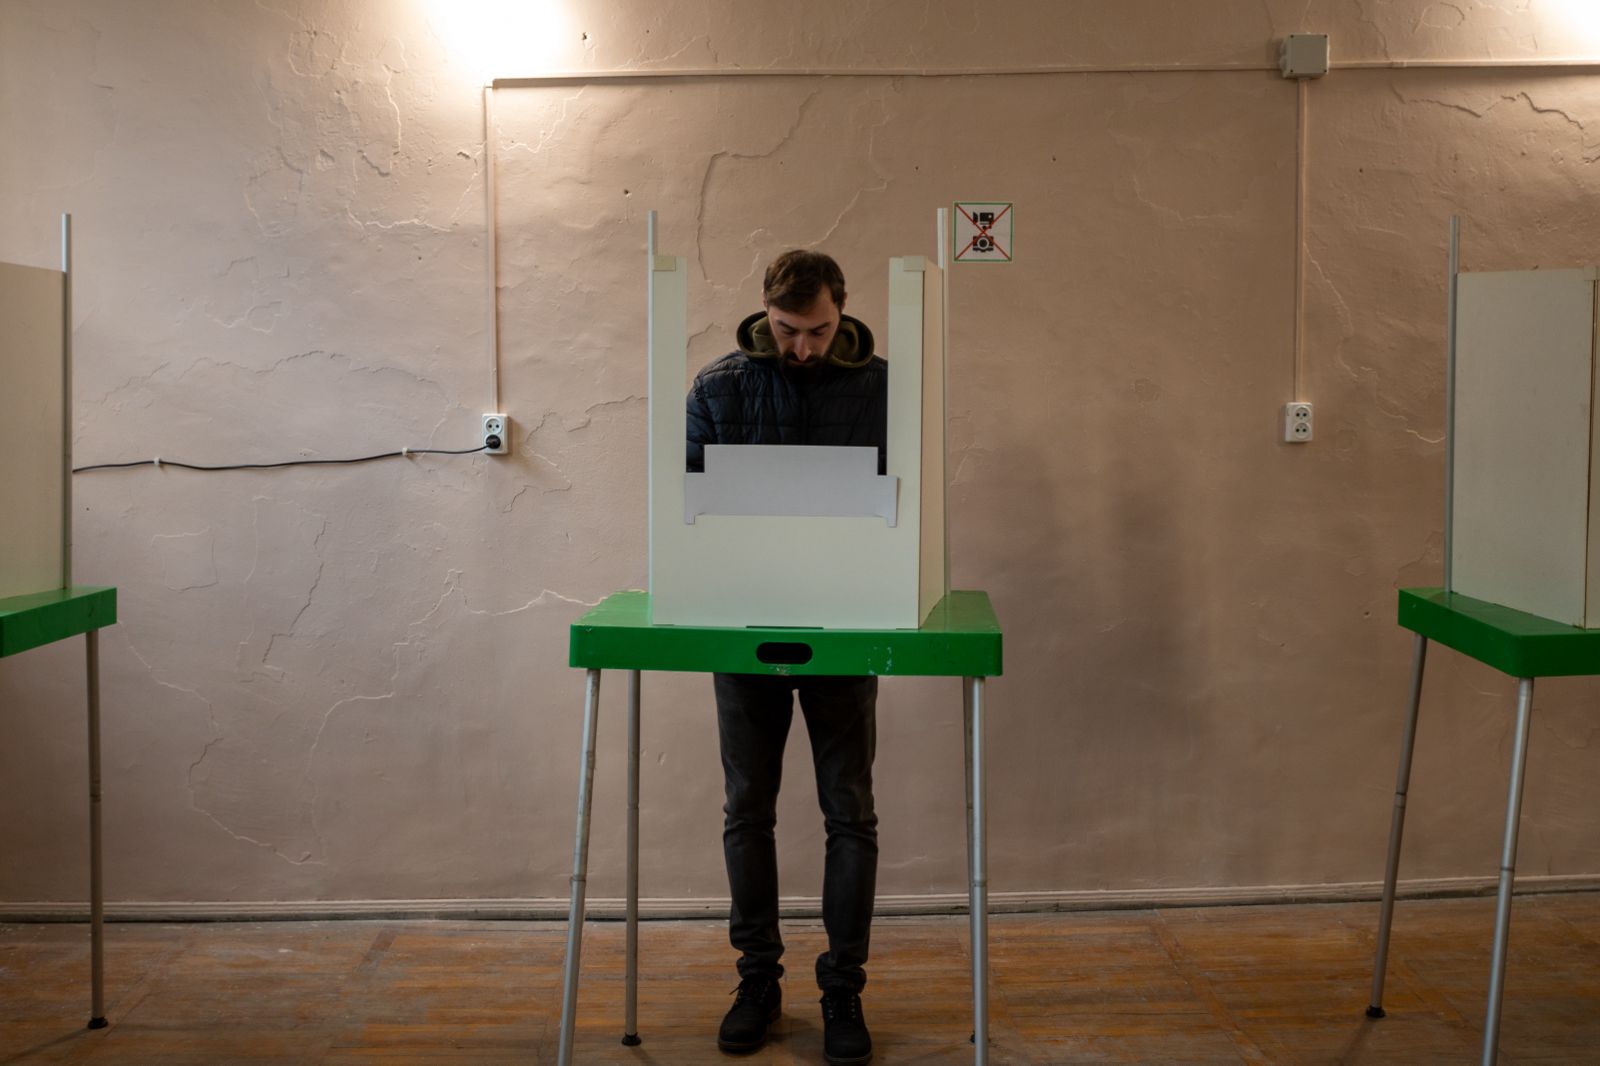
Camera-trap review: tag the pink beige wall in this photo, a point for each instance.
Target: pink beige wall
(350, 683)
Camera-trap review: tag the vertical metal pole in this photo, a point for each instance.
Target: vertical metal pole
(942, 220)
(980, 883)
(966, 744)
(580, 869)
(1508, 866)
(1397, 823)
(1450, 401)
(97, 904)
(630, 1000)
(66, 401)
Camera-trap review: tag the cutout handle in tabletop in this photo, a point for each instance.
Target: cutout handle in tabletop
(783, 653)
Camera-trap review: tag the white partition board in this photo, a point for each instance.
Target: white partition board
(1523, 440)
(32, 478)
(790, 479)
(743, 570)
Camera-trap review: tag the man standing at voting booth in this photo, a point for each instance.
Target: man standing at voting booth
(805, 373)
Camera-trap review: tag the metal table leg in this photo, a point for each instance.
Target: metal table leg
(97, 905)
(1397, 823)
(630, 998)
(580, 869)
(966, 743)
(978, 867)
(1508, 864)
(966, 765)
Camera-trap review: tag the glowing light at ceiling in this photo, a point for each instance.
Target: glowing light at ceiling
(502, 38)
(1577, 22)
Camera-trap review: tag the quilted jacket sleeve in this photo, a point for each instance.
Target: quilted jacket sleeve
(699, 431)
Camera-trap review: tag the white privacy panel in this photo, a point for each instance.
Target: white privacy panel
(1521, 534)
(32, 420)
(811, 570)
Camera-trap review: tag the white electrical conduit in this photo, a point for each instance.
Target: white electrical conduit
(491, 227)
(1300, 172)
(1573, 64)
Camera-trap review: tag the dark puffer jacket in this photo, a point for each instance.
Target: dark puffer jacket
(755, 396)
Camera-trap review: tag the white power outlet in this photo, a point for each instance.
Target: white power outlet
(1297, 422)
(497, 434)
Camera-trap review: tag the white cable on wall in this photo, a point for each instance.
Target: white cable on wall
(1301, 169)
(490, 232)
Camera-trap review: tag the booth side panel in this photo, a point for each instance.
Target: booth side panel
(1524, 351)
(32, 427)
(669, 368)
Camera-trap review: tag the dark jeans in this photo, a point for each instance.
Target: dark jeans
(753, 716)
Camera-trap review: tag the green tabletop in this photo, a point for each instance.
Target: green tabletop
(45, 617)
(1513, 642)
(961, 638)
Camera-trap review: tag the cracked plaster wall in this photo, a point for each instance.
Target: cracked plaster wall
(350, 682)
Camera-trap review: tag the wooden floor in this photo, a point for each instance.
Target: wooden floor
(1285, 984)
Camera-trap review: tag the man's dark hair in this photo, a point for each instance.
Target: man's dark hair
(796, 278)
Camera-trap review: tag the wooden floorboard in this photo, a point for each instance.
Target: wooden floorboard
(1205, 986)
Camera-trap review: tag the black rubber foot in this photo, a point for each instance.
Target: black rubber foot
(972, 1038)
(1375, 1012)
(631, 1040)
(98, 1023)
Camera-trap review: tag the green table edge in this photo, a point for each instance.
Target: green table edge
(961, 638)
(41, 618)
(1513, 642)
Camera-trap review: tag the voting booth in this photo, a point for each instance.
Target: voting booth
(39, 604)
(796, 535)
(791, 561)
(1525, 521)
(1521, 587)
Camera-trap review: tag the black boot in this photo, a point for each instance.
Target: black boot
(845, 1040)
(757, 1003)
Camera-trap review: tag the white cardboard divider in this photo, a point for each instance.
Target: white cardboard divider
(1523, 532)
(789, 479)
(846, 572)
(32, 427)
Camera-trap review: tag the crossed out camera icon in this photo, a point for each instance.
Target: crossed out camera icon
(983, 242)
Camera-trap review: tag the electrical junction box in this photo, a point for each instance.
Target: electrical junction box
(1303, 55)
(1297, 422)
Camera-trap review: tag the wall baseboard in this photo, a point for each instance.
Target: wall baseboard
(663, 908)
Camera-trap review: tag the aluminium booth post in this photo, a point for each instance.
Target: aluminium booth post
(91, 639)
